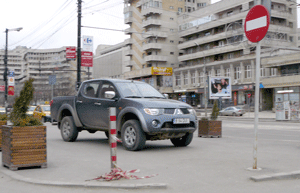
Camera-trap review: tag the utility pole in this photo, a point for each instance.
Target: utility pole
(79, 46)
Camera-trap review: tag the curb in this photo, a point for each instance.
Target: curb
(91, 184)
(278, 176)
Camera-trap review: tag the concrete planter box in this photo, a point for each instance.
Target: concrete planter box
(210, 128)
(24, 146)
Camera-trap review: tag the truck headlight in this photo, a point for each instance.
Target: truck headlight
(193, 112)
(151, 111)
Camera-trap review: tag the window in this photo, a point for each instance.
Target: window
(201, 77)
(171, 30)
(171, 18)
(248, 71)
(171, 41)
(193, 78)
(262, 72)
(218, 72)
(237, 72)
(171, 53)
(178, 81)
(171, 7)
(227, 72)
(273, 71)
(185, 79)
(179, 9)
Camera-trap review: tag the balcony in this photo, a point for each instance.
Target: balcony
(155, 34)
(151, 22)
(128, 41)
(151, 10)
(156, 58)
(129, 63)
(129, 31)
(281, 81)
(212, 51)
(150, 46)
(128, 9)
(128, 20)
(128, 52)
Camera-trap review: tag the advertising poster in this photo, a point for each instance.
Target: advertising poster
(219, 87)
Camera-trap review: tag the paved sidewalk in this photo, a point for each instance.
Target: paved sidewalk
(229, 166)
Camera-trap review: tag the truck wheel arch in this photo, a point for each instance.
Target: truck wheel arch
(67, 110)
(131, 113)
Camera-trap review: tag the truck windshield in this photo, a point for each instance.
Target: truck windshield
(138, 90)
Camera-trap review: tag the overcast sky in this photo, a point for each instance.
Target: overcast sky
(53, 24)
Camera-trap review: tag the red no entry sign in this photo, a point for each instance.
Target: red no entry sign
(257, 23)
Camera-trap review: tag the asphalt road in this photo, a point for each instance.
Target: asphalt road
(206, 165)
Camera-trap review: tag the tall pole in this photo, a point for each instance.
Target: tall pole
(257, 72)
(5, 69)
(79, 46)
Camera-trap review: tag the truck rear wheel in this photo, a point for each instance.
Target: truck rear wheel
(183, 141)
(133, 138)
(68, 129)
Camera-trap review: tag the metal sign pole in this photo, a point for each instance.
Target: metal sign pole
(257, 72)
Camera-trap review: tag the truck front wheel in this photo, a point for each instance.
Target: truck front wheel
(133, 138)
(183, 141)
(68, 129)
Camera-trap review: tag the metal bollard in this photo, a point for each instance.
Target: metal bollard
(112, 137)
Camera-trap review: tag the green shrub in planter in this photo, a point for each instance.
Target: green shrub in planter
(18, 115)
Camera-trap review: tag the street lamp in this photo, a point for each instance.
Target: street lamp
(5, 63)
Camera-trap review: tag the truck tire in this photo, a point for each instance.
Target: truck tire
(68, 129)
(183, 141)
(133, 138)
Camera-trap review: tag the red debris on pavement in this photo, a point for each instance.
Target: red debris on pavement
(118, 173)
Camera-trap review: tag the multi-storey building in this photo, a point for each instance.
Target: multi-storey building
(152, 46)
(213, 44)
(109, 61)
(40, 64)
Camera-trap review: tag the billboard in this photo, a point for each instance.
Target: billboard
(219, 87)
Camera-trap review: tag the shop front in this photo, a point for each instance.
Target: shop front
(287, 103)
(243, 95)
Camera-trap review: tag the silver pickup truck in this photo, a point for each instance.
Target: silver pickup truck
(142, 113)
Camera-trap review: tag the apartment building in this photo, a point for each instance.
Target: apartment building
(152, 46)
(40, 64)
(109, 61)
(213, 44)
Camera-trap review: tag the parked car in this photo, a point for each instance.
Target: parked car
(232, 111)
(44, 111)
(142, 113)
(2, 110)
(30, 110)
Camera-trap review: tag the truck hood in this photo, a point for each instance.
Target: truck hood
(161, 103)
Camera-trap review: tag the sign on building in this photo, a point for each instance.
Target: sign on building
(52, 79)
(165, 71)
(87, 59)
(11, 90)
(87, 44)
(71, 52)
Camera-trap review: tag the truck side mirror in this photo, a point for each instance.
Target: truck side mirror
(166, 96)
(109, 94)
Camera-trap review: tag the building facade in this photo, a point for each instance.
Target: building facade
(152, 46)
(214, 45)
(40, 64)
(109, 61)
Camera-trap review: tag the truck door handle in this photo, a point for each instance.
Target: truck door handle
(79, 101)
(97, 103)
